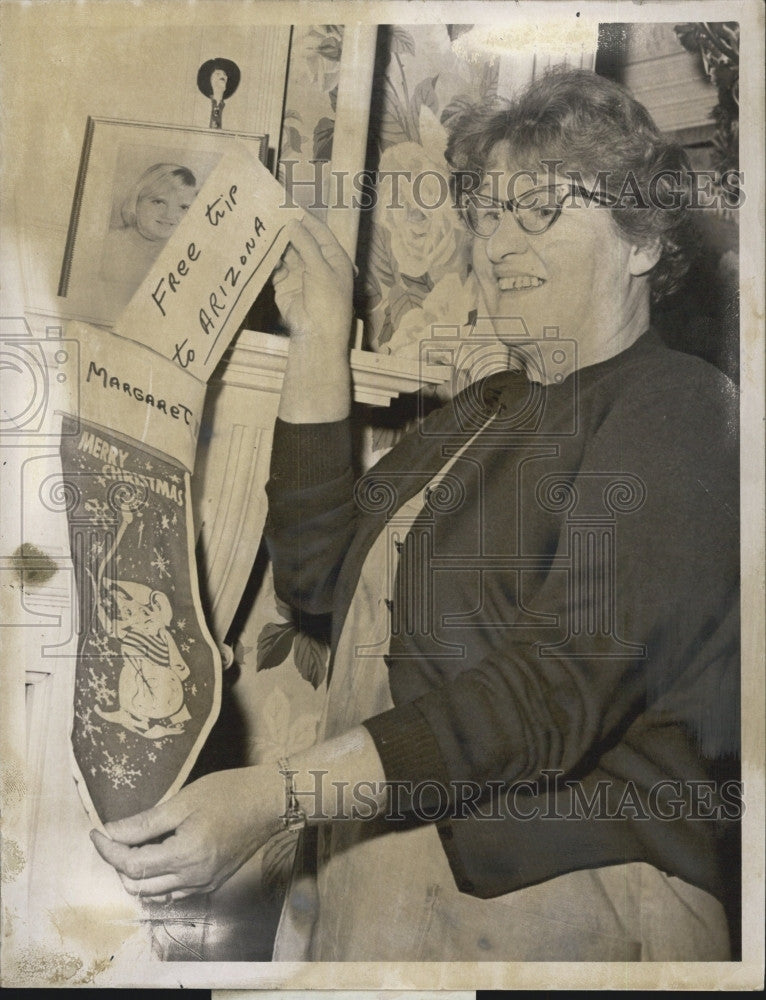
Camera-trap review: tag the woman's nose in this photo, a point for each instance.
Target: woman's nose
(508, 238)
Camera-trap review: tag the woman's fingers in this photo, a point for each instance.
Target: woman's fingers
(307, 247)
(172, 897)
(317, 245)
(160, 885)
(127, 847)
(314, 247)
(290, 267)
(313, 285)
(331, 249)
(151, 823)
(218, 822)
(138, 863)
(321, 233)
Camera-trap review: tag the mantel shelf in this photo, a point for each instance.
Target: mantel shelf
(257, 360)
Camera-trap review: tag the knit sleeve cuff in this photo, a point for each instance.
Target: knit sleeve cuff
(407, 747)
(309, 454)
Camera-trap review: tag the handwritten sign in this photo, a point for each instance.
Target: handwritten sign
(201, 286)
(148, 398)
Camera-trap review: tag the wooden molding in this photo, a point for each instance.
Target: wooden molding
(257, 360)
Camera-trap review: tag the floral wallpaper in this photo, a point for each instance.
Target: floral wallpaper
(311, 94)
(417, 255)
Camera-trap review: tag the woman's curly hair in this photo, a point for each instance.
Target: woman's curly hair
(593, 126)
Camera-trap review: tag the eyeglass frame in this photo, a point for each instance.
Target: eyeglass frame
(511, 205)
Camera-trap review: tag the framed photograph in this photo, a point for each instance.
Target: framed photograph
(135, 182)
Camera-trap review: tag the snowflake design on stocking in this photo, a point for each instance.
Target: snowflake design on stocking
(119, 770)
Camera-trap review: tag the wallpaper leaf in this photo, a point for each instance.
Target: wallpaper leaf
(403, 299)
(418, 286)
(402, 42)
(455, 30)
(393, 126)
(294, 138)
(323, 136)
(311, 659)
(425, 93)
(455, 107)
(387, 330)
(274, 644)
(380, 255)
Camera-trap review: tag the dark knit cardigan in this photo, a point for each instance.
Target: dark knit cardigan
(565, 616)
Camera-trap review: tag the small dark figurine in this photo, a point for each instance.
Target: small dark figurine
(218, 79)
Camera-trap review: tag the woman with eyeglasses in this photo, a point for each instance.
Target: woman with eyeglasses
(531, 722)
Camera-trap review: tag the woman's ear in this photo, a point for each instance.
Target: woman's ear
(643, 258)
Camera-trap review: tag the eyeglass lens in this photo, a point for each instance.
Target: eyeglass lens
(535, 211)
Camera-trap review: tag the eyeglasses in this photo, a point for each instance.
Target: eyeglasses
(535, 211)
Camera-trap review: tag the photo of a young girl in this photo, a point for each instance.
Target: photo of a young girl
(149, 214)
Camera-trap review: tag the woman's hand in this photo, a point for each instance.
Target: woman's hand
(313, 289)
(215, 825)
(314, 286)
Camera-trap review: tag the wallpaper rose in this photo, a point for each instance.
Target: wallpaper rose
(417, 240)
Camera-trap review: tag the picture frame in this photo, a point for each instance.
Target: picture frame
(134, 182)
